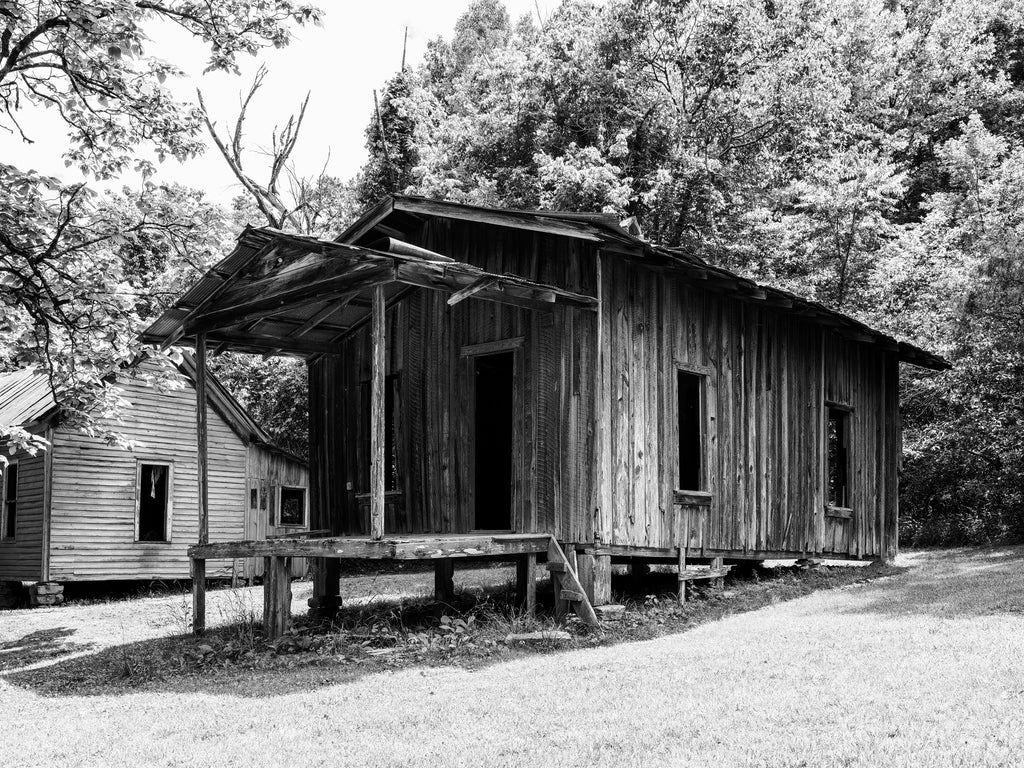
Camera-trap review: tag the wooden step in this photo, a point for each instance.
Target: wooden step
(555, 567)
(696, 574)
(567, 581)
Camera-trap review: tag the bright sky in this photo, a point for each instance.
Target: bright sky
(358, 48)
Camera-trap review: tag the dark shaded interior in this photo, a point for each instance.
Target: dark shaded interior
(493, 376)
(153, 502)
(690, 453)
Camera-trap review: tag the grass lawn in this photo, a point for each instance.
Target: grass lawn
(922, 669)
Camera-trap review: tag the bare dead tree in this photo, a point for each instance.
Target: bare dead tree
(267, 195)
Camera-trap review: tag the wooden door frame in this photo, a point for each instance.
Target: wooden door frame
(469, 353)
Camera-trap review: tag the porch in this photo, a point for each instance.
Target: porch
(573, 576)
(292, 295)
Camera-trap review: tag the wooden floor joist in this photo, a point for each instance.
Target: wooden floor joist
(361, 548)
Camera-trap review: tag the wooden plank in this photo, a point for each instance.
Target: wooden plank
(483, 284)
(585, 572)
(444, 580)
(412, 548)
(526, 583)
(506, 219)
(277, 598)
(570, 581)
(377, 426)
(273, 344)
(492, 347)
(602, 580)
(198, 596)
(269, 301)
(718, 567)
(202, 489)
(715, 573)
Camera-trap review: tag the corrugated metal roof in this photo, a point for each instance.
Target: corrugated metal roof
(25, 397)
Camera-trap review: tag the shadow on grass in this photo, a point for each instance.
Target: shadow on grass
(953, 584)
(395, 635)
(43, 645)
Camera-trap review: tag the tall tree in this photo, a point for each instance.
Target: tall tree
(65, 301)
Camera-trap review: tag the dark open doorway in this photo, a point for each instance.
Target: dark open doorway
(492, 440)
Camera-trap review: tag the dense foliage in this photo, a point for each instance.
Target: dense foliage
(865, 153)
(72, 295)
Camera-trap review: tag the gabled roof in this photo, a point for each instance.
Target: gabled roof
(606, 230)
(26, 399)
(280, 292)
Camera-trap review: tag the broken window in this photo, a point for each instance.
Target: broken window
(690, 390)
(293, 506)
(838, 438)
(392, 411)
(9, 508)
(153, 503)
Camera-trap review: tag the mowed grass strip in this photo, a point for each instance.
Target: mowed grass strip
(923, 669)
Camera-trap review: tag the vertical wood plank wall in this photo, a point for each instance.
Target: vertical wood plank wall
(553, 431)
(769, 374)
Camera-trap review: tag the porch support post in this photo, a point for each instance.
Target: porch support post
(718, 562)
(277, 596)
(444, 580)
(526, 583)
(602, 580)
(682, 574)
(202, 477)
(377, 426)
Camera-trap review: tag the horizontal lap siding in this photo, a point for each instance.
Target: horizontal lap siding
(94, 489)
(21, 558)
(554, 396)
(766, 384)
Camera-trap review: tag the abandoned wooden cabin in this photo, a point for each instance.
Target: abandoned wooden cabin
(88, 511)
(513, 383)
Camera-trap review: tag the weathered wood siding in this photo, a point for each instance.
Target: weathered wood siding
(266, 472)
(596, 431)
(553, 395)
(94, 492)
(768, 376)
(21, 559)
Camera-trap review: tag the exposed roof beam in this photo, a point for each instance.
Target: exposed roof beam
(265, 342)
(338, 285)
(473, 288)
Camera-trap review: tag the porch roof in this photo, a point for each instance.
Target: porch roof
(291, 294)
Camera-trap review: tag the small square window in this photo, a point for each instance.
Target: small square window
(293, 506)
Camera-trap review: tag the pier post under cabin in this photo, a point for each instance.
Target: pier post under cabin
(544, 386)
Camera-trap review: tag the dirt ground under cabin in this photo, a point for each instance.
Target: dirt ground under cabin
(921, 663)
